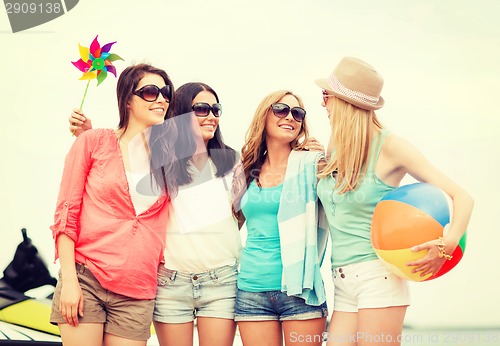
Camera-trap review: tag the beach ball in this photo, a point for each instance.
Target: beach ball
(407, 216)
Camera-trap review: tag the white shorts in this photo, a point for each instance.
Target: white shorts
(368, 285)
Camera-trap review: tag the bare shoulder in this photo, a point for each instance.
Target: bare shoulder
(395, 146)
(401, 154)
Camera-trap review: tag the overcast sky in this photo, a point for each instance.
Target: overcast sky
(440, 61)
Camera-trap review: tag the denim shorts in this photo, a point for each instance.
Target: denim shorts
(121, 316)
(274, 306)
(181, 296)
(368, 285)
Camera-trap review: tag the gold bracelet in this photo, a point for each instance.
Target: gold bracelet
(442, 252)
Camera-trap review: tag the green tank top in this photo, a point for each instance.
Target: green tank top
(349, 215)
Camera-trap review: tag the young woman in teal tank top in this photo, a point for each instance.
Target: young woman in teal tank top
(265, 311)
(365, 163)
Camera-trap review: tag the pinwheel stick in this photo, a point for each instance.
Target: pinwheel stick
(85, 94)
(83, 100)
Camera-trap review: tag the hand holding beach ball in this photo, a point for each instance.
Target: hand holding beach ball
(407, 216)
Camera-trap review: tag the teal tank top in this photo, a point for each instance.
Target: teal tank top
(349, 215)
(260, 261)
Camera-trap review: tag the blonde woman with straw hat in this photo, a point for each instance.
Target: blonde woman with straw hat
(366, 162)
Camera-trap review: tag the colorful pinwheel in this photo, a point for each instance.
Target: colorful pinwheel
(95, 63)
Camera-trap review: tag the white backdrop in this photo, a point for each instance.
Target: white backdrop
(440, 61)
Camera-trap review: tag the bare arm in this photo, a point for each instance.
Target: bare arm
(409, 160)
(71, 302)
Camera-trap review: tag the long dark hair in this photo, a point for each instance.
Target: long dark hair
(163, 161)
(223, 156)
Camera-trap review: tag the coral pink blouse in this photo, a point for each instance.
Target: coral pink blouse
(94, 208)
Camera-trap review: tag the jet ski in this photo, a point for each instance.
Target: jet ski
(25, 319)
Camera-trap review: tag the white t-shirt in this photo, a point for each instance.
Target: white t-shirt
(202, 233)
(141, 200)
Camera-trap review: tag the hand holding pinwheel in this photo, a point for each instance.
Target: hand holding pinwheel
(95, 63)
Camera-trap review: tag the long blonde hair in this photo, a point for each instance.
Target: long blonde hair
(351, 136)
(254, 151)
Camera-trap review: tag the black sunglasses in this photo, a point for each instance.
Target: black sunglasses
(150, 92)
(281, 110)
(202, 109)
(326, 95)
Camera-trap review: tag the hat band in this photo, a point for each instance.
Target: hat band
(335, 84)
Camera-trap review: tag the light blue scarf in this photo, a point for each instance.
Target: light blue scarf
(303, 229)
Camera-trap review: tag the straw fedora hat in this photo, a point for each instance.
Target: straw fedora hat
(356, 82)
